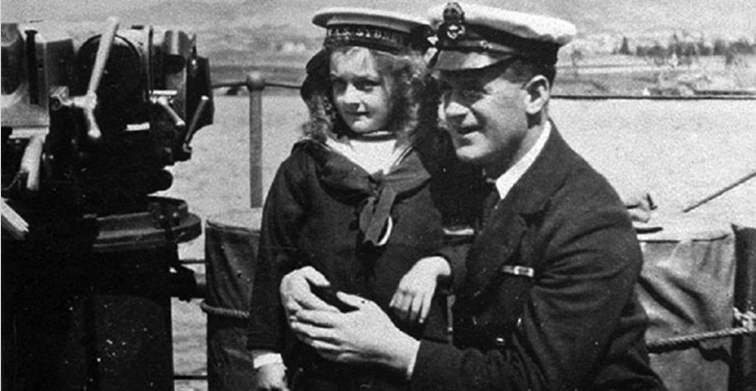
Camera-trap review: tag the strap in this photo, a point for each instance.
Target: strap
(374, 217)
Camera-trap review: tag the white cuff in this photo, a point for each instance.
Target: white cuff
(265, 357)
(411, 365)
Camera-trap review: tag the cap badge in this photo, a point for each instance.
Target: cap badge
(454, 19)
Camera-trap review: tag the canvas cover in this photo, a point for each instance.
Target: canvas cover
(687, 288)
(231, 242)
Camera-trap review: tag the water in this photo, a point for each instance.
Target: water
(680, 152)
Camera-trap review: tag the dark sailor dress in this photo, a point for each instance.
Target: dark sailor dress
(325, 211)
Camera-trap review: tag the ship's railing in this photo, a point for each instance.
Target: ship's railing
(256, 83)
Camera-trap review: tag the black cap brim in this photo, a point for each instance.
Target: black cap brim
(450, 60)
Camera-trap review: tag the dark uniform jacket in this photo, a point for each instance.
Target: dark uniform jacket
(319, 212)
(575, 324)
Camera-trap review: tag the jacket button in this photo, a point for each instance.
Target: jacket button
(499, 342)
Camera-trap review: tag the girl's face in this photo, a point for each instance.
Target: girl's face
(361, 94)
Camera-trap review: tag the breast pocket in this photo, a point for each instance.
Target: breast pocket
(490, 316)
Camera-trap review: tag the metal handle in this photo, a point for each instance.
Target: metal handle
(103, 51)
(163, 99)
(30, 162)
(195, 121)
(88, 102)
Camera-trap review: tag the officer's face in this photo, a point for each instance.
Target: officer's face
(361, 94)
(486, 116)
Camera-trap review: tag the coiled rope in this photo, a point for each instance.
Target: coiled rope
(226, 312)
(746, 319)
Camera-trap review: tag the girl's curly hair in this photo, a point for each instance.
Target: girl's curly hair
(413, 103)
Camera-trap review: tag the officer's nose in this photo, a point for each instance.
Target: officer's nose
(455, 112)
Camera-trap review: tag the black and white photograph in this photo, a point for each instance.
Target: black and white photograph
(339, 195)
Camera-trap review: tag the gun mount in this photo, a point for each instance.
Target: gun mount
(113, 109)
(90, 121)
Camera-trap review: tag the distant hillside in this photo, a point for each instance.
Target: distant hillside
(283, 26)
(276, 37)
(711, 17)
(280, 33)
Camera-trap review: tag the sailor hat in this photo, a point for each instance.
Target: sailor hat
(376, 29)
(471, 36)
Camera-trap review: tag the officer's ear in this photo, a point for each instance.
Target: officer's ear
(538, 92)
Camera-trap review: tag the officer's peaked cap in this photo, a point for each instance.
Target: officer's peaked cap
(471, 36)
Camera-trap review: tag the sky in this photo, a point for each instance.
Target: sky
(714, 16)
(43, 9)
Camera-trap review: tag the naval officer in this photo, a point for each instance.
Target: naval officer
(545, 300)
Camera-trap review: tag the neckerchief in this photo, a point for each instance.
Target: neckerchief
(376, 193)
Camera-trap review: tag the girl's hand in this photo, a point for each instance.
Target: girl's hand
(414, 295)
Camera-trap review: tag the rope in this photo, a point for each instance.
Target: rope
(654, 345)
(721, 191)
(693, 338)
(226, 312)
(747, 319)
(653, 97)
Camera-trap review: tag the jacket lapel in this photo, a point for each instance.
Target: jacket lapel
(516, 217)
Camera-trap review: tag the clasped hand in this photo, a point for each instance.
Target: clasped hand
(367, 334)
(359, 336)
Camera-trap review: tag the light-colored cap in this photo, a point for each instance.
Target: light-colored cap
(471, 36)
(378, 29)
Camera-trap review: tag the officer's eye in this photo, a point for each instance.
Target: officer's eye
(444, 89)
(471, 94)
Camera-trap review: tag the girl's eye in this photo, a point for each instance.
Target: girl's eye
(366, 85)
(338, 84)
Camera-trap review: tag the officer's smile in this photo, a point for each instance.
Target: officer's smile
(462, 131)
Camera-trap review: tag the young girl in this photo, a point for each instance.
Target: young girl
(362, 197)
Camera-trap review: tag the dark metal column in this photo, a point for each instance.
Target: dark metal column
(255, 85)
(86, 306)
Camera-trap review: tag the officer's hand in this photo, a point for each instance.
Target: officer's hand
(363, 336)
(296, 294)
(271, 377)
(414, 295)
